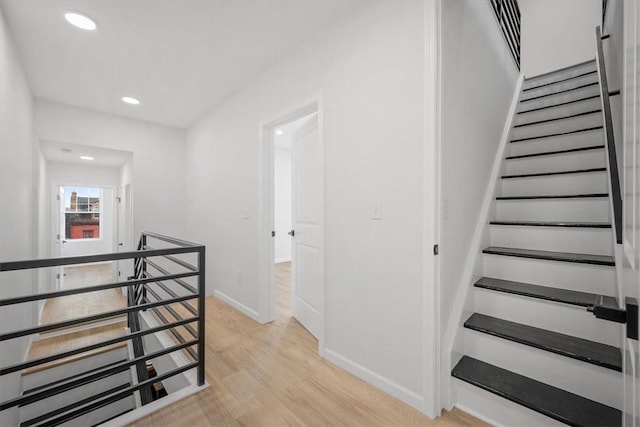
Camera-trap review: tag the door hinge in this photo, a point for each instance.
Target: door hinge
(58, 237)
(613, 313)
(292, 233)
(273, 234)
(57, 197)
(58, 276)
(436, 249)
(119, 199)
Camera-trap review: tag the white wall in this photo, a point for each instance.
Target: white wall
(282, 205)
(157, 172)
(18, 209)
(369, 72)
(479, 77)
(557, 33)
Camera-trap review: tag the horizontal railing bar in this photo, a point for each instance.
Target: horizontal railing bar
(166, 272)
(29, 364)
(59, 411)
(168, 239)
(88, 378)
(122, 394)
(84, 259)
(30, 298)
(174, 313)
(176, 260)
(175, 333)
(79, 320)
(165, 288)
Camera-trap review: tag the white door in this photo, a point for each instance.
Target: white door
(631, 203)
(307, 271)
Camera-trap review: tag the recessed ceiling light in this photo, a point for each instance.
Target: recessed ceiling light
(130, 100)
(279, 132)
(86, 157)
(80, 21)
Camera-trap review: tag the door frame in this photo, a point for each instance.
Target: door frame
(266, 215)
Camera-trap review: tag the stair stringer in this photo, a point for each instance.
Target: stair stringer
(453, 338)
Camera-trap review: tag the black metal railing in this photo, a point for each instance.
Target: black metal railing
(614, 176)
(145, 291)
(508, 14)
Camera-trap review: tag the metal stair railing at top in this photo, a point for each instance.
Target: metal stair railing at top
(140, 287)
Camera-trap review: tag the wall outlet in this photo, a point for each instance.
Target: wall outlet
(376, 210)
(238, 277)
(244, 213)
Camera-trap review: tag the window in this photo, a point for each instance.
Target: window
(82, 212)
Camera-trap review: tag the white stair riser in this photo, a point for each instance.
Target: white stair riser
(591, 104)
(584, 209)
(558, 317)
(558, 126)
(560, 74)
(70, 396)
(500, 411)
(556, 162)
(567, 275)
(561, 98)
(555, 143)
(560, 86)
(548, 185)
(597, 241)
(584, 379)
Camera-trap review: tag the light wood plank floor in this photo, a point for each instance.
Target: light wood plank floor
(271, 375)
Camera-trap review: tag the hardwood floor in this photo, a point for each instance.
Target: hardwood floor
(271, 375)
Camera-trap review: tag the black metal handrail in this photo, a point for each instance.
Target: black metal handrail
(614, 176)
(139, 287)
(508, 14)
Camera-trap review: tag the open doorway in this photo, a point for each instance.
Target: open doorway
(293, 212)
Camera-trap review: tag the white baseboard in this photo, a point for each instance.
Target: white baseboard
(285, 259)
(238, 306)
(377, 380)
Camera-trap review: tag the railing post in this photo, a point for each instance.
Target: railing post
(143, 238)
(201, 314)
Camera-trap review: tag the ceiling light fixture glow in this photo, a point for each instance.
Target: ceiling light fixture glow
(86, 157)
(130, 100)
(80, 21)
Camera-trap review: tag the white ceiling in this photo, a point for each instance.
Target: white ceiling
(180, 58)
(63, 152)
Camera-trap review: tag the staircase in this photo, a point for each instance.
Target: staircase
(531, 340)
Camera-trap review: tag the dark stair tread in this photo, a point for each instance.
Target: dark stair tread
(552, 256)
(566, 296)
(550, 153)
(560, 104)
(577, 171)
(554, 196)
(569, 132)
(560, 81)
(553, 402)
(560, 92)
(555, 119)
(596, 353)
(568, 224)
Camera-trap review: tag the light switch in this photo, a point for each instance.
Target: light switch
(244, 213)
(376, 210)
